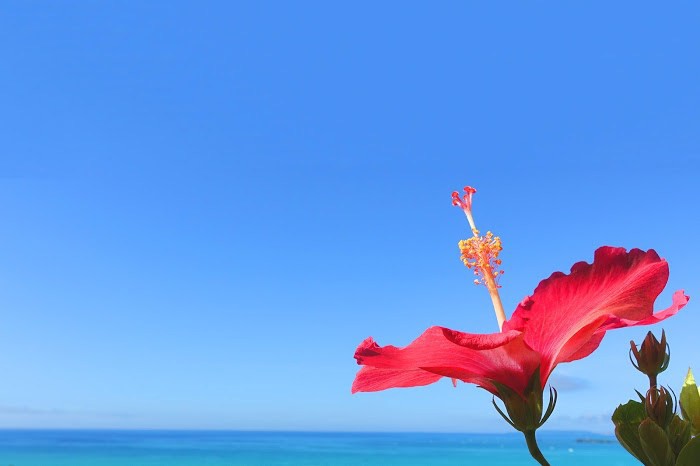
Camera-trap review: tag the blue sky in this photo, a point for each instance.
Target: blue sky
(207, 207)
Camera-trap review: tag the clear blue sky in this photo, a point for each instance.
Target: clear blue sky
(205, 208)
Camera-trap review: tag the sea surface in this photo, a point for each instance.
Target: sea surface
(198, 448)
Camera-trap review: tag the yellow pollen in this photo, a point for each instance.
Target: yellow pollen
(480, 253)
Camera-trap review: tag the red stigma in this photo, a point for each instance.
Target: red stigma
(465, 202)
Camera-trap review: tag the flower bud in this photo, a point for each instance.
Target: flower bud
(660, 406)
(653, 356)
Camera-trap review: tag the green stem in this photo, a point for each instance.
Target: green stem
(652, 381)
(534, 449)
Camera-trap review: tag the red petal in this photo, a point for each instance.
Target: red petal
(678, 301)
(371, 379)
(591, 345)
(563, 318)
(441, 352)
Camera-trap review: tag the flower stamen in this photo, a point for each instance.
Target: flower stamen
(480, 254)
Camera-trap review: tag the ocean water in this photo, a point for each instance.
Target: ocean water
(197, 448)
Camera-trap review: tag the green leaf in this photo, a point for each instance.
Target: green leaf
(630, 412)
(628, 436)
(678, 433)
(690, 402)
(655, 444)
(627, 418)
(690, 455)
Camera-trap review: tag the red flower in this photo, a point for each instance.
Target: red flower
(565, 319)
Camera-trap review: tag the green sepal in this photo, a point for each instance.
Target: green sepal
(690, 403)
(678, 434)
(525, 411)
(639, 394)
(503, 415)
(627, 418)
(655, 444)
(690, 454)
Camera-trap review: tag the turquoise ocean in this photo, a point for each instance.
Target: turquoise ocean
(208, 448)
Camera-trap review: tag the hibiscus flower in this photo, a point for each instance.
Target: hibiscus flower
(565, 319)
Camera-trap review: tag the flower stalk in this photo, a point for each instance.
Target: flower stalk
(533, 448)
